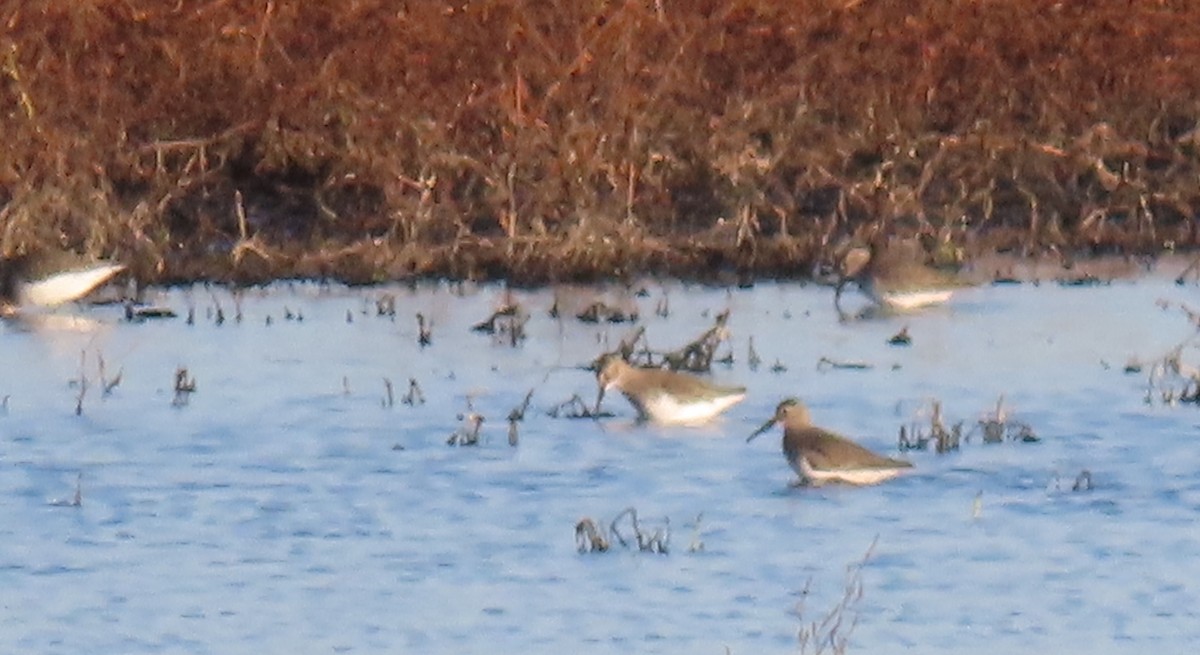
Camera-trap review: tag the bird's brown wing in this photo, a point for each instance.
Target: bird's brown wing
(918, 277)
(684, 384)
(831, 452)
(901, 267)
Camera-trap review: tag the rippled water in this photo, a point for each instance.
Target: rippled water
(287, 508)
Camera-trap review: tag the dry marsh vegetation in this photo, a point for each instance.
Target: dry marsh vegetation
(537, 140)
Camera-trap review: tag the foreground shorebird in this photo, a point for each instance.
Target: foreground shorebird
(896, 277)
(26, 281)
(665, 396)
(819, 456)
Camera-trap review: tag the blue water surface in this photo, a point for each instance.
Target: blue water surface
(285, 506)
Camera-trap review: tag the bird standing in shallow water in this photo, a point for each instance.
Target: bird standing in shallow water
(665, 396)
(28, 281)
(819, 456)
(894, 276)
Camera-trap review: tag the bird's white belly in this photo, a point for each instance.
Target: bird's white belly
(65, 287)
(913, 299)
(861, 476)
(665, 408)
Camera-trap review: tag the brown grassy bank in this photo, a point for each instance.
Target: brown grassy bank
(538, 140)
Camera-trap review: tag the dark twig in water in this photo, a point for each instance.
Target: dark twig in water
(414, 395)
(518, 412)
(575, 407)
(752, 357)
(215, 312)
(1192, 270)
(185, 386)
(424, 330)
(590, 538)
(516, 416)
(663, 308)
(82, 384)
(514, 327)
(653, 542)
(107, 385)
(1083, 481)
(389, 398)
(826, 362)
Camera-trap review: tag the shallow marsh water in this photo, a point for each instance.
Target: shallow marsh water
(286, 508)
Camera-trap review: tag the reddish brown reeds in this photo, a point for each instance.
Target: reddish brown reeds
(541, 141)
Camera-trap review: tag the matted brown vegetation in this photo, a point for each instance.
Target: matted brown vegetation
(539, 140)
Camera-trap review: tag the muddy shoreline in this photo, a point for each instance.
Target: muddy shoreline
(518, 140)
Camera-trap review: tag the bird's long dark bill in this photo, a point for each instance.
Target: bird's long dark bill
(763, 428)
(599, 399)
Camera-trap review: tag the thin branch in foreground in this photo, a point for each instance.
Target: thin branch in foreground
(831, 632)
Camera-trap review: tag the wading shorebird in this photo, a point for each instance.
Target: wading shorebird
(819, 456)
(28, 281)
(665, 396)
(896, 277)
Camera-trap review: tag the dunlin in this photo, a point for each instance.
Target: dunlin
(819, 456)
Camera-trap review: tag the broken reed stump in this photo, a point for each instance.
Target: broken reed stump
(697, 356)
(516, 416)
(185, 386)
(995, 427)
(944, 440)
(467, 433)
(414, 395)
(424, 331)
